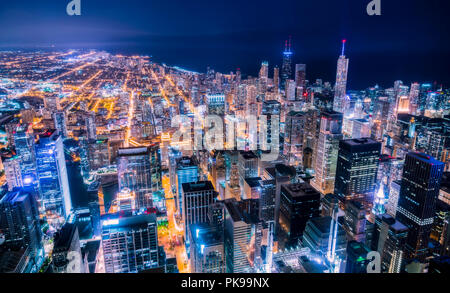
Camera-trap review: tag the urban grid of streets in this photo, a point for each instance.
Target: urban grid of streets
(96, 81)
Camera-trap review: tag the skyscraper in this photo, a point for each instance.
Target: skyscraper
(197, 197)
(300, 75)
(356, 170)
(206, 249)
(340, 95)
(286, 68)
(243, 235)
(186, 172)
(130, 244)
(327, 151)
(19, 222)
(264, 71)
(421, 181)
(139, 170)
(52, 174)
(356, 258)
(60, 121)
(276, 77)
(25, 150)
(298, 204)
(389, 240)
(66, 251)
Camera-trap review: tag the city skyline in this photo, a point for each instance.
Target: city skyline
(121, 160)
(404, 38)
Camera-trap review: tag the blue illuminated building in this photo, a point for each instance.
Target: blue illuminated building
(19, 222)
(52, 174)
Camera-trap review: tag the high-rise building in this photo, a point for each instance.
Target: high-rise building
(139, 170)
(66, 255)
(286, 68)
(357, 168)
(355, 221)
(327, 151)
(389, 240)
(206, 249)
(243, 234)
(12, 172)
(317, 237)
(130, 244)
(300, 76)
(25, 149)
(299, 202)
(341, 102)
(356, 258)
(52, 174)
(60, 121)
(186, 172)
(264, 71)
(276, 77)
(197, 197)
(19, 223)
(422, 175)
(248, 166)
(394, 192)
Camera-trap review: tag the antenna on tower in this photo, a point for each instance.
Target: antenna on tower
(286, 46)
(343, 47)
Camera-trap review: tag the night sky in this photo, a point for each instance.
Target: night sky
(410, 41)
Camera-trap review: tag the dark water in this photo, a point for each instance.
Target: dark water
(78, 190)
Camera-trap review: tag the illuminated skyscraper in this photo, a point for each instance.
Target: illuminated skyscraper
(52, 174)
(300, 75)
(197, 197)
(59, 118)
(25, 150)
(389, 240)
(91, 128)
(356, 258)
(298, 204)
(264, 71)
(357, 168)
(419, 191)
(243, 235)
(286, 68)
(340, 96)
(327, 151)
(139, 170)
(186, 172)
(207, 249)
(276, 77)
(130, 244)
(66, 250)
(19, 222)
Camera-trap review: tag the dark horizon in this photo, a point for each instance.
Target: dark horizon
(405, 43)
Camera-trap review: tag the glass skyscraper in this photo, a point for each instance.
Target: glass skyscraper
(52, 174)
(139, 170)
(419, 192)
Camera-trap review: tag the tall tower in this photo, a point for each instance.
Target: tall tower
(52, 174)
(139, 169)
(276, 77)
(356, 170)
(340, 94)
(327, 151)
(421, 181)
(264, 71)
(286, 69)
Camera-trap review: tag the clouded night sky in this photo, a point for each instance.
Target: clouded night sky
(410, 41)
